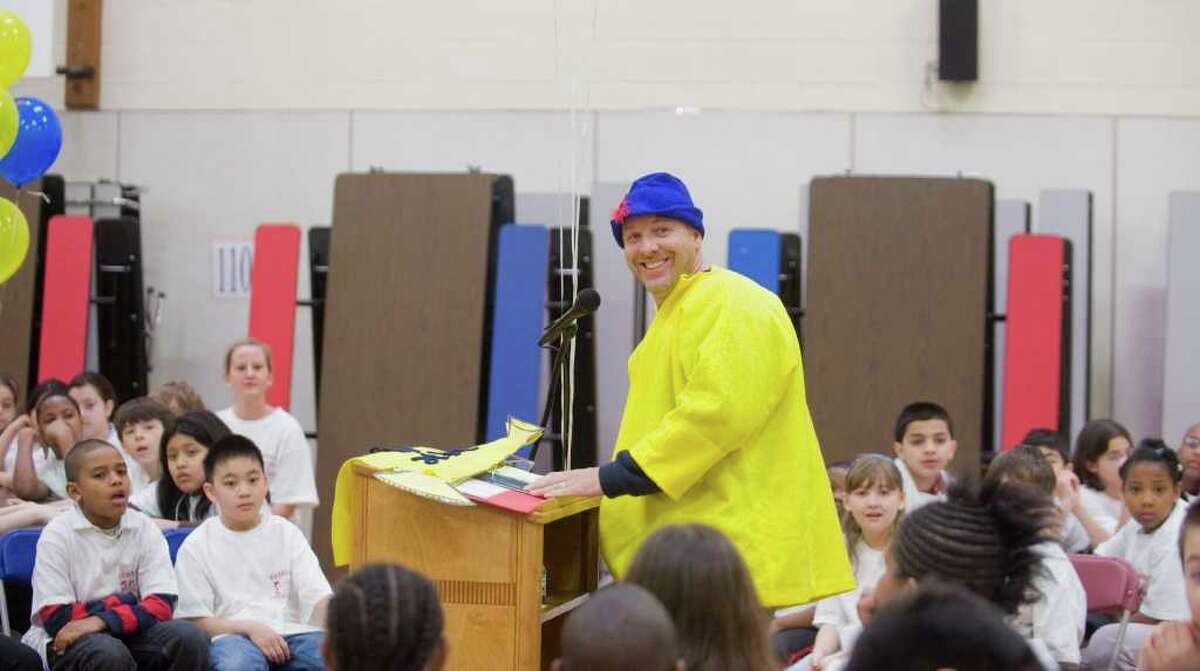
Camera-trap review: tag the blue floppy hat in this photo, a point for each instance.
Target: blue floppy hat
(660, 194)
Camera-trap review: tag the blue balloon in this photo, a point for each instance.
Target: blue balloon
(39, 139)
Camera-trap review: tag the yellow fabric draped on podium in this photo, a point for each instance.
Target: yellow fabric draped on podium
(433, 471)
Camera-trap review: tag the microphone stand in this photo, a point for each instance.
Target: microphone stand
(565, 342)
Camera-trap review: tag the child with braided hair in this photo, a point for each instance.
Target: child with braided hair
(985, 541)
(384, 617)
(1150, 480)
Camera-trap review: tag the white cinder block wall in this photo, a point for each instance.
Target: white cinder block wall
(237, 112)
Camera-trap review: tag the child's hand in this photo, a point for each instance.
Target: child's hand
(76, 630)
(866, 605)
(1172, 646)
(272, 644)
(59, 436)
(1066, 489)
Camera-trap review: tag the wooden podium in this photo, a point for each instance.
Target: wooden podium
(487, 565)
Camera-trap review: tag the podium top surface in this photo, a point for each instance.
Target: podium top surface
(550, 511)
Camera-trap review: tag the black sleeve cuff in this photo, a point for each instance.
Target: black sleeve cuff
(623, 476)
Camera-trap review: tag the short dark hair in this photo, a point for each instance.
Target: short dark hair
(1023, 463)
(941, 626)
(81, 449)
(1154, 451)
(94, 379)
(47, 386)
(919, 412)
(1091, 444)
(232, 446)
(1049, 438)
(142, 409)
(627, 613)
(54, 392)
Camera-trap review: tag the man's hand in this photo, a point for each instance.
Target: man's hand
(1172, 646)
(579, 482)
(273, 647)
(76, 630)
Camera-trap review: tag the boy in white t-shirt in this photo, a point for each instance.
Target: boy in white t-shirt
(249, 579)
(103, 588)
(285, 451)
(140, 423)
(924, 446)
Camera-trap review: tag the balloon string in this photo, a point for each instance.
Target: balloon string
(39, 194)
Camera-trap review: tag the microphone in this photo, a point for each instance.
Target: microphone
(586, 302)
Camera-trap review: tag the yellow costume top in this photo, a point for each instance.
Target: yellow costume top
(716, 416)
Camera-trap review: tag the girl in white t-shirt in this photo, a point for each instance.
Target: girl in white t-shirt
(56, 424)
(874, 504)
(1176, 645)
(177, 499)
(1101, 448)
(1149, 541)
(277, 434)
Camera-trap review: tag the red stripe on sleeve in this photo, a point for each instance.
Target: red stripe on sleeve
(48, 612)
(128, 619)
(157, 607)
(112, 601)
(78, 611)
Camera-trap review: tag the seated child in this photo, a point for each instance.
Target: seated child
(25, 420)
(1175, 646)
(987, 544)
(1057, 615)
(874, 506)
(941, 626)
(250, 580)
(57, 428)
(1189, 458)
(1053, 446)
(1149, 541)
(179, 396)
(97, 400)
(1101, 448)
(103, 588)
(10, 397)
(284, 448)
(379, 594)
(140, 423)
(620, 628)
(924, 446)
(177, 499)
(696, 573)
(837, 482)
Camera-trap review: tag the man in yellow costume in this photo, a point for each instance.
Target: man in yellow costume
(716, 428)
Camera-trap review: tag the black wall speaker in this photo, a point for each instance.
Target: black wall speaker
(958, 40)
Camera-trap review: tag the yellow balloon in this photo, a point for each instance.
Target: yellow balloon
(14, 239)
(9, 118)
(15, 47)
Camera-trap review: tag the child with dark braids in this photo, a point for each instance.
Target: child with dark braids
(1057, 615)
(1150, 480)
(984, 541)
(384, 617)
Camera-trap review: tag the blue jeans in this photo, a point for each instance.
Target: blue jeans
(238, 653)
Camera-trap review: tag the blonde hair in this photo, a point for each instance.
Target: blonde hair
(867, 471)
(180, 394)
(248, 342)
